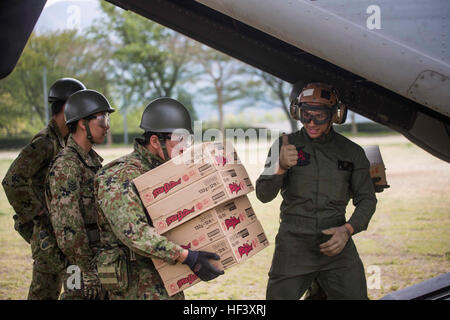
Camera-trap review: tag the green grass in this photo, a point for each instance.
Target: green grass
(408, 237)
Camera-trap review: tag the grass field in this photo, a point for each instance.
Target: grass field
(408, 240)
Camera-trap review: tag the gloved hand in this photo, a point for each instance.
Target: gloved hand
(91, 285)
(199, 264)
(336, 244)
(288, 156)
(379, 188)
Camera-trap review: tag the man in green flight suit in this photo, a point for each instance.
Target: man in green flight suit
(128, 237)
(317, 171)
(24, 188)
(70, 193)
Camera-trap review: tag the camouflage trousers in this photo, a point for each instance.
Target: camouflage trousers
(44, 285)
(144, 283)
(48, 262)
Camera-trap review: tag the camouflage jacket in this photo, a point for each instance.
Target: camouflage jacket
(123, 220)
(24, 181)
(71, 203)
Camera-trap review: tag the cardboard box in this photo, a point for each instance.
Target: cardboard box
(235, 214)
(199, 197)
(194, 234)
(247, 241)
(222, 220)
(377, 168)
(198, 200)
(233, 249)
(194, 164)
(178, 277)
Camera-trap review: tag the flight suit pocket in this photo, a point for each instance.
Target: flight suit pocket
(279, 262)
(341, 185)
(300, 182)
(281, 253)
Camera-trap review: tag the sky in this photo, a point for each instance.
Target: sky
(80, 14)
(67, 14)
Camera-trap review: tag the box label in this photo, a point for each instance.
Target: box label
(187, 168)
(199, 197)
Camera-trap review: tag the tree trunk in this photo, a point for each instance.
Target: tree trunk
(278, 88)
(109, 138)
(354, 126)
(221, 118)
(293, 123)
(125, 127)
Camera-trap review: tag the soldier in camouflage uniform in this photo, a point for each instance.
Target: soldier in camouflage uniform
(317, 171)
(127, 234)
(70, 193)
(24, 188)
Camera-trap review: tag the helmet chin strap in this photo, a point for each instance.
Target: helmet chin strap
(162, 142)
(88, 131)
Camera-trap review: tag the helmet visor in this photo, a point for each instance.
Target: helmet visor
(182, 139)
(102, 120)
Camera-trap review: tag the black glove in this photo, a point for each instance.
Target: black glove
(91, 285)
(199, 264)
(379, 187)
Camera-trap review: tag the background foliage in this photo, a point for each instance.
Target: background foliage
(132, 60)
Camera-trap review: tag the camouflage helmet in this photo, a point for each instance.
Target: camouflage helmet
(84, 103)
(63, 88)
(165, 115)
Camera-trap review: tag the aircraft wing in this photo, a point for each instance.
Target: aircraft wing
(379, 77)
(379, 74)
(17, 20)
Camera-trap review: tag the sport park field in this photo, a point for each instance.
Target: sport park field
(408, 239)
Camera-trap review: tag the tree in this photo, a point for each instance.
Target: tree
(11, 117)
(353, 123)
(221, 77)
(271, 90)
(147, 59)
(63, 54)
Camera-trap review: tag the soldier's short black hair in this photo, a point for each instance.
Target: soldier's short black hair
(72, 127)
(57, 107)
(148, 134)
